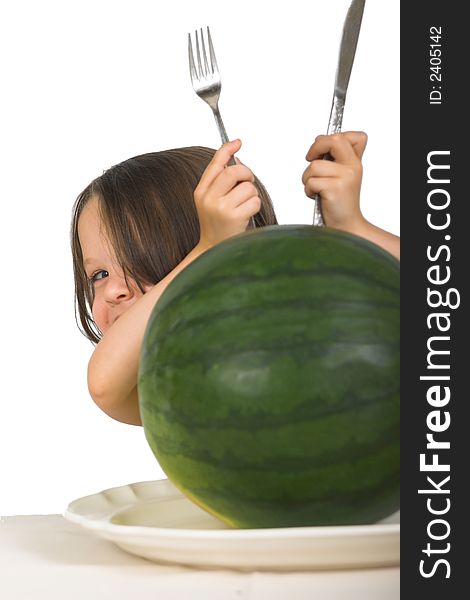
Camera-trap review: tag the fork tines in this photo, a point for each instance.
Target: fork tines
(204, 70)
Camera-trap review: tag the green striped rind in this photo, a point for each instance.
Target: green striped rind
(269, 379)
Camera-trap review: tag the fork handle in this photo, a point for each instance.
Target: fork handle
(231, 162)
(223, 133)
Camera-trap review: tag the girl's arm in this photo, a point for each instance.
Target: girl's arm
(225, 200)
(339, 184)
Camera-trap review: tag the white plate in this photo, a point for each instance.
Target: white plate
(154, 520)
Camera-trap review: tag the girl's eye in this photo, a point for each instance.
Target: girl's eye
(97, 275)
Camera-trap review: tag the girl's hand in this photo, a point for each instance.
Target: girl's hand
(226, 197)
(338, 181)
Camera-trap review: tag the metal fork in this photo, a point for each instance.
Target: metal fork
(206, 78)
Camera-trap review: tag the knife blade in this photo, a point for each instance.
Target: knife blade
(347, 52)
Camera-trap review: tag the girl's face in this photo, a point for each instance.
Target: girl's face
(112, 294)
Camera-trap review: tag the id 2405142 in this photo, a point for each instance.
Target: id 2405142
(435, 65)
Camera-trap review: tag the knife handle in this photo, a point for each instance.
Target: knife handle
(317, 214)
(336, 114)
(334, 126)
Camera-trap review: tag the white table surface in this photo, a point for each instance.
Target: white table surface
(46, 557)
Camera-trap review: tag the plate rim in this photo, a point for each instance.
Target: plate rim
(104, 523)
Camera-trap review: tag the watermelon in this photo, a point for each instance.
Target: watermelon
(269, 379)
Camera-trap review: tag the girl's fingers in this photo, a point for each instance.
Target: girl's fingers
(248, 208)
(336, 145)
(316, 185)
(217, 164)
(358, 140)
(230, 178)
(345, 147)
(321, 168)
(240, 194)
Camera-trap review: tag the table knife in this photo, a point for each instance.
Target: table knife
(351, 29)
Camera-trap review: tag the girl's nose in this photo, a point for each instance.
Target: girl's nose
(117, 290)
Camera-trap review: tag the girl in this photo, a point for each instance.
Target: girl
(139, 224)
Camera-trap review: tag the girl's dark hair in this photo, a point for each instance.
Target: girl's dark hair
(148, 211)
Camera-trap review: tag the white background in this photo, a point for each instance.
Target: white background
(88, 84)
